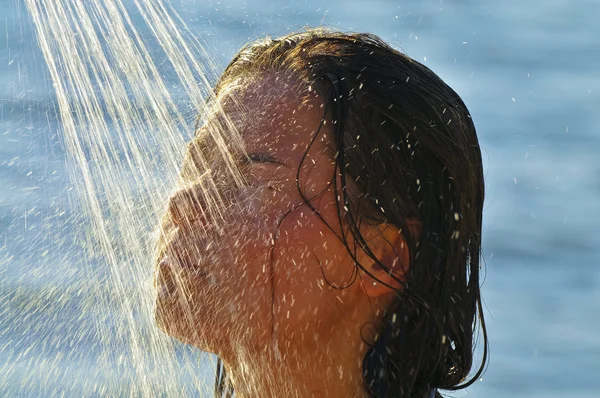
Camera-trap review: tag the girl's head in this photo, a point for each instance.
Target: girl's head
(341, 226)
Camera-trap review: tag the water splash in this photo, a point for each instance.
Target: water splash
(125, 129)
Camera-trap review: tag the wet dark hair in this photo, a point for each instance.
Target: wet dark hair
(406, 149)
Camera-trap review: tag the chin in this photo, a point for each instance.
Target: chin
(171, 320)
(168, 316)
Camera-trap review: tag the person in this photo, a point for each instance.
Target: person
(325, 236)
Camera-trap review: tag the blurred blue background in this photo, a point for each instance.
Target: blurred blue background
(527, 70)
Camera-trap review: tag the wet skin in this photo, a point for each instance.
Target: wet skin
(262, 282)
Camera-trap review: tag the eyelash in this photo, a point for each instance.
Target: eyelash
(261, 158)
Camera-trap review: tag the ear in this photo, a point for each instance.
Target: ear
(389, 245)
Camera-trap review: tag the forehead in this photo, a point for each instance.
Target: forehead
(270, 110)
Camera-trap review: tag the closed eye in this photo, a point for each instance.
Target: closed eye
(262, 158)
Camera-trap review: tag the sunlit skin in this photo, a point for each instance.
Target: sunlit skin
(257, 296)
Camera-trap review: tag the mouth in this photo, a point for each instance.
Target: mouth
(165, 282)
(174, 269)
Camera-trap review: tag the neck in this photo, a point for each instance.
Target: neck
(268, 375)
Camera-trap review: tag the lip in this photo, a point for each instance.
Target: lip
(164, 282)
(170, 271)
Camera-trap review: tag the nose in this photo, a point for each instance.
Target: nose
(187, 207)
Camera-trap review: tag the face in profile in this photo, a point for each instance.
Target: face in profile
(264, 271)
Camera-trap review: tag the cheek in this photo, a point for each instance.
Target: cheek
(308, 258)
(231, 287)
